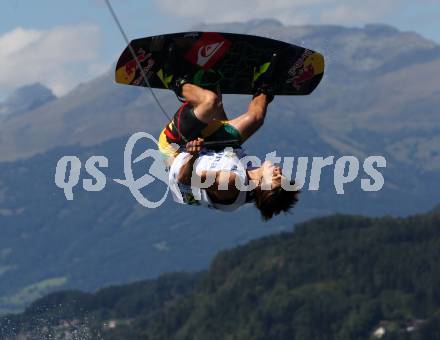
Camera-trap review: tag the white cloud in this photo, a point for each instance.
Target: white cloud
(353, 13)
(59, 58)
(288, 11)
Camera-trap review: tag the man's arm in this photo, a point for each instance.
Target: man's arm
(186, 171)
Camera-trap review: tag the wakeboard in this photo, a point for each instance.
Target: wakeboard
(238, 59)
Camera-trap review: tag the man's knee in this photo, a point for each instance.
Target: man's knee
(210, 99)
(258, 118)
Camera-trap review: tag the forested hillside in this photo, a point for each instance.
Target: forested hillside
(340, 277)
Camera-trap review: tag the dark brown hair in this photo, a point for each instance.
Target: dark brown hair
(272, 202)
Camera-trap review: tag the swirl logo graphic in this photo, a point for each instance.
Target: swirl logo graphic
(157, 171)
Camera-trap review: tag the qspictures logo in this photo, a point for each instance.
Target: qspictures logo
(68, 170)
(346, 169)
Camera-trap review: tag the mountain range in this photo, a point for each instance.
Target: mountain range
(26, 98)
(379, 96)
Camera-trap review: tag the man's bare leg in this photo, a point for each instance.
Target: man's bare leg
(207, 106)
(249, 122)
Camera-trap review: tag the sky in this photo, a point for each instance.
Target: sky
(62, 43)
